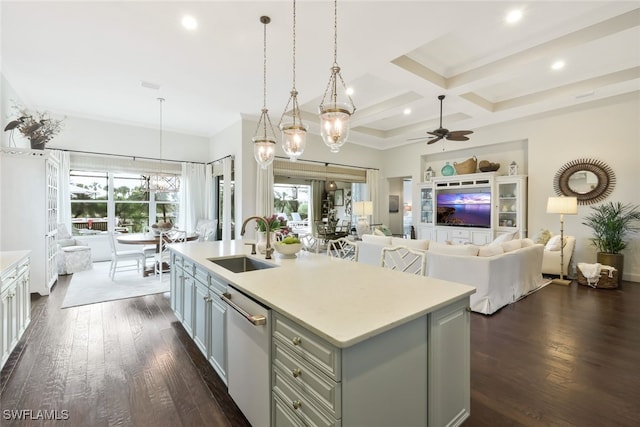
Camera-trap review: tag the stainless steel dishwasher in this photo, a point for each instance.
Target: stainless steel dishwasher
(249, 356)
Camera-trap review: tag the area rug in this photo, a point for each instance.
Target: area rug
(95, 285)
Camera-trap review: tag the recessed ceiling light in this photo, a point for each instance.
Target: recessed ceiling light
(558, 65)
(189, 22)
(349, 91)
(407, 111)
(513, 16)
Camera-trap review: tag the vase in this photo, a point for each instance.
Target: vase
(35, 145)
(262, 241)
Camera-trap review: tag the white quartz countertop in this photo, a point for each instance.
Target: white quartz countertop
(9, 259)
(343, 302)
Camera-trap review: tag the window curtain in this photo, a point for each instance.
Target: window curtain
(209, 192)
(192, 204)
(227, 163)
(64, 195)
(315, 204)
(374, 195)
(264, 190)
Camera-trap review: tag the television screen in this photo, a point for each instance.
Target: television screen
(464, 208)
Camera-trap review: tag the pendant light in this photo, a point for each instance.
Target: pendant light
(329, 185)
(336, 106)
(294, 133)
(264, 144)
(161, 182)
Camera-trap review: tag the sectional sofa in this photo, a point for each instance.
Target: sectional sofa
(502, 272)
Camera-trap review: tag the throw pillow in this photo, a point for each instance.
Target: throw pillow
(443, 248)
(413, 244)
(376, 240)
(543, 236)
(490, 250)
(511, 245)
(554, 243)
(527, 242)
(386, 231)
(378, 232)
(504, 237)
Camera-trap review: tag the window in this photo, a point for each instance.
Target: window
(102, 200)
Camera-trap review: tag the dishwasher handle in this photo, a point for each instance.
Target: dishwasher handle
(255, 319)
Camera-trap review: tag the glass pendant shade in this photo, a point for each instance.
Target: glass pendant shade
(334, 124)
(294, 139)
(331, 186)
(264, 151)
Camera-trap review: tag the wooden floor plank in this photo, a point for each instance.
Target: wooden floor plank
(563, 356)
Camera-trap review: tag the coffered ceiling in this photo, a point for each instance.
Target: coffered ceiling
(90, 59)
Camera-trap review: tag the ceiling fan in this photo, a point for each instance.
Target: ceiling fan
(438, 134)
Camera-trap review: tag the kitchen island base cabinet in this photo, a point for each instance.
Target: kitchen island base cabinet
(195, 301)
(15, 300)
(416, 374)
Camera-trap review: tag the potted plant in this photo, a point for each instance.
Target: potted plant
(611, 224)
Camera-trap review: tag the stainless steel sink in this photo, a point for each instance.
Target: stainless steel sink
(241, 264)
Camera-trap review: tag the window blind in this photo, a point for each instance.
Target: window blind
(317, 171)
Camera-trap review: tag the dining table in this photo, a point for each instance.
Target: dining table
(149, 238)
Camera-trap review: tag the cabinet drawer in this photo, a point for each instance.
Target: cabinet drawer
(178, 260)
(189, 267)
(201, 275)
(299, 404)
(460, 234)
(308, 346)
(308, 379)
(218, 286)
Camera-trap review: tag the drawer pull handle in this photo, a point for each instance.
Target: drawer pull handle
(296, 340)
(297, 404)
(296, 372)
(468, 309)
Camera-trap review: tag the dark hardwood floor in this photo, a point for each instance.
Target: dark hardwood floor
(563, 356)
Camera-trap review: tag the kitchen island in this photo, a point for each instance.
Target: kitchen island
(351, 344)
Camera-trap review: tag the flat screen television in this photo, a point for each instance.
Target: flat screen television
(464, 207)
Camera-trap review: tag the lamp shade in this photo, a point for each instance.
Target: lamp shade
(363, 208)
(562, 205)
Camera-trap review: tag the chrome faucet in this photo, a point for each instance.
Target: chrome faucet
(268, 249)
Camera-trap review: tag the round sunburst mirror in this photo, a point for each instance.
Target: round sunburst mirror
(589, 180)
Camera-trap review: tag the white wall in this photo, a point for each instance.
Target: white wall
(607, 130)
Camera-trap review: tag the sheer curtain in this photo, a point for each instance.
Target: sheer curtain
(209, 192)
(264, 190)
(192, 204)
(227, 163)
(64, 196)
(372, 187)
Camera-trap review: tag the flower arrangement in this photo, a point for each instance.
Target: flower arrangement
(38, 127)
(274, 223)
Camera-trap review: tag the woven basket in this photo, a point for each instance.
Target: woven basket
(468, 166)
(604, 282)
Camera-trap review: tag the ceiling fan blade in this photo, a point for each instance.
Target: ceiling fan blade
(438, 133)
(457, 138)
(416, 139)
(460, 132)
(434, 140)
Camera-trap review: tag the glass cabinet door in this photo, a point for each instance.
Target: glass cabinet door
(426, 205)
(509, 205)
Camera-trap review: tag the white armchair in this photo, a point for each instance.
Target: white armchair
(551, 257)
(73, 255)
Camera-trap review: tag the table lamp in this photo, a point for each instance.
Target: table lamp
(363, 209)
(563, 206)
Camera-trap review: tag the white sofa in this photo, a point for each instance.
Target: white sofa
(499, 279)
(551, 257)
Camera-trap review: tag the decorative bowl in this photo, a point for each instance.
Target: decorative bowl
(287, 250)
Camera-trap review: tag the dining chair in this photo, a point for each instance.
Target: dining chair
(405, 259)
(342, 248)
(309, 242)
(118, 255)
(163, 257)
